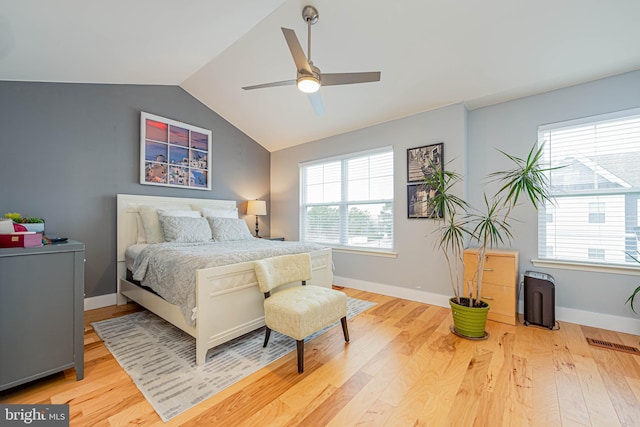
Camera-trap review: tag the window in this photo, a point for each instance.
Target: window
(348, 201)
(596, 188)
(596, 213)
(596, 254)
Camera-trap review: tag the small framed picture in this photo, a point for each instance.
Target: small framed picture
(174, 154)
(418, 198)
(423, 161)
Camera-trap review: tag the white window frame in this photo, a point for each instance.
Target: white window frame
(552, 260)
(344, 202)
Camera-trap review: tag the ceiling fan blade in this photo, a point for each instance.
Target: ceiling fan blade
(296, 50)
(332, 79)
(316, 102)
(274, 84)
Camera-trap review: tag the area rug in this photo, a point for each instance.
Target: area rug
(160, 358)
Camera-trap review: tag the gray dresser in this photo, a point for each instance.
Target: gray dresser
(41, 312)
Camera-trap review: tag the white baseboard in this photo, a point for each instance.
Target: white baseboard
(587, 318)
(393, 291)
(99, 301)
(599, 320)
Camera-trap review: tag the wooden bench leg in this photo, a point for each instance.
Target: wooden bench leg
(345, 330)
(300, 344)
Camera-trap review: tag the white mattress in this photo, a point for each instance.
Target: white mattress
(131, 253)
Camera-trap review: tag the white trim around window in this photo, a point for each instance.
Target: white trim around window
(595, 180)
(346, 202)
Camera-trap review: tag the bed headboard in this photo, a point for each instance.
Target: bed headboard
(127, 217)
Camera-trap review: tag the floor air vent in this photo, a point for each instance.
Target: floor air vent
(613, 346)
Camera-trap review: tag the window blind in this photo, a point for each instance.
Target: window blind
(348, 201)
(596, 214)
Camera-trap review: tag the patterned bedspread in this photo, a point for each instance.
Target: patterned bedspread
(169, 268)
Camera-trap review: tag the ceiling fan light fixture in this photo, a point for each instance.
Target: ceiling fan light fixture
(308, 84)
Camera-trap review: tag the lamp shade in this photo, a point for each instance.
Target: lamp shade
(256, 207)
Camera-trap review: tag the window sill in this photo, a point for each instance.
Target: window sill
(583, 266)
(364, 251)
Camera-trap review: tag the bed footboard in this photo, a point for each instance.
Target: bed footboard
(228, 301)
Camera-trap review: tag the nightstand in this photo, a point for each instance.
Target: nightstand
(273, 238)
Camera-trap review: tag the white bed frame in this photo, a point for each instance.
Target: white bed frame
(228, 300)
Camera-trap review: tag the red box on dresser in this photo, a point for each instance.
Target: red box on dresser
(20, 240)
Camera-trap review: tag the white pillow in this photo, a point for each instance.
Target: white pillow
(151, 224)
(219, 212)
(179, 212)
(226, 229)
(184, 229)
(142, 237)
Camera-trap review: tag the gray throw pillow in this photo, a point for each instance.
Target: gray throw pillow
(181, 229)
(226, 229)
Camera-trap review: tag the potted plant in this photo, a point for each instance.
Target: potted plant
(486, 228)
(31, 223)
(632, 297)
(635, 293)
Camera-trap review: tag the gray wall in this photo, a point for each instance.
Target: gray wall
(470, 138)
(66, 150)
(418, 266)
(512, 127)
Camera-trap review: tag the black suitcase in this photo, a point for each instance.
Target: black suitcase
(539, 299)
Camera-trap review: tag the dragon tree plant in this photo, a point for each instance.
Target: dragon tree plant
(636, 292)
(486, 228)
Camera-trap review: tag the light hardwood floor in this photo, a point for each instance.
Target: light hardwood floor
(403, 367)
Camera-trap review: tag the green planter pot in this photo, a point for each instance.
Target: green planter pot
(469, 322)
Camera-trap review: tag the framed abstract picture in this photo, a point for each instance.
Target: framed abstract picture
(174, 154)
(422, 160)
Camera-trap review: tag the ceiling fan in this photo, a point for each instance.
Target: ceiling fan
(309, 78)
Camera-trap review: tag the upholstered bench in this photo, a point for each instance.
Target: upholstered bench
(297, 311)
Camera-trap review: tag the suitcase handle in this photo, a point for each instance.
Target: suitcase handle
(486, 297)
(488, 269)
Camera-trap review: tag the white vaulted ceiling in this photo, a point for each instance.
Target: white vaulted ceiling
(430, 53)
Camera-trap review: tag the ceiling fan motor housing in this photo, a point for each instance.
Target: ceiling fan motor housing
(315, 72)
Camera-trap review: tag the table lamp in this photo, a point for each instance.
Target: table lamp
(257, 208)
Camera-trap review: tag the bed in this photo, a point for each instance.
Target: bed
(228, 302)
